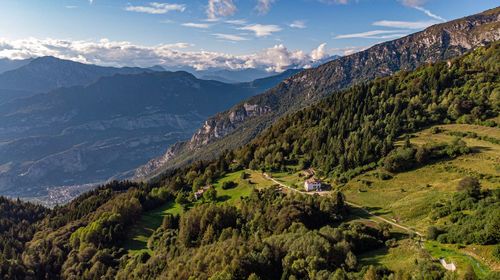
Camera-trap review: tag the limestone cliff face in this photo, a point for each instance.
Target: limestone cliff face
(220, 126)
(436, 43)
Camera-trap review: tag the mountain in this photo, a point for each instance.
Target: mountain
(241, 123)
(87, 134)
(397, 157)
(48, 73)
(234, 76)
(11, 64)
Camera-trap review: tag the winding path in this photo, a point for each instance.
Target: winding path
(267, 176)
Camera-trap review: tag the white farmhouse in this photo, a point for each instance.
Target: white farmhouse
(312, 185)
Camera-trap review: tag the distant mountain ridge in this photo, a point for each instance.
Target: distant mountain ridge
(11, 64)
(47, 73)
(237, 126)
(88, 134)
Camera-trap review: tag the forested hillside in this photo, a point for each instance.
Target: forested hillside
(269, 234)
(239, 125)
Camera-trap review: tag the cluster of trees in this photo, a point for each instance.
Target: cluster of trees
(18, 223)
(360, 125)
(407, 157)
(471, 215)
(271, 236)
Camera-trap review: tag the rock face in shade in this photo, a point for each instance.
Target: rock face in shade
(241, 123)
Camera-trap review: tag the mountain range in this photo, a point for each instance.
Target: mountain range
(91, 133)
(238, 125)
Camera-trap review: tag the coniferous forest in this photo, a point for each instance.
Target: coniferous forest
(272, 234)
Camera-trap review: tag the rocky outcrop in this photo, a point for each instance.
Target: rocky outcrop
(214, 129)
(238, 125)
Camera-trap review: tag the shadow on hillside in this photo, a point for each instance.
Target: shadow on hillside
(223, 198)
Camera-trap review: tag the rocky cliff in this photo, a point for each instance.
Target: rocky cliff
(240, 124)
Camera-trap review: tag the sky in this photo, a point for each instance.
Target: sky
(233, 34)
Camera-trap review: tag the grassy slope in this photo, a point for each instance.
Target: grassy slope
(139, 233)
(409, 196)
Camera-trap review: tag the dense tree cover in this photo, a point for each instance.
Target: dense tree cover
(360, 125)
(472, 216)
(18, 223)
(272, 235)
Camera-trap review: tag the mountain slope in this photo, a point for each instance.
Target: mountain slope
(81, 135)
(11, 64)
(48, 73)
(252, 229)
(241, 123)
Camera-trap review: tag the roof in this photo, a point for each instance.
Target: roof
(313, 181)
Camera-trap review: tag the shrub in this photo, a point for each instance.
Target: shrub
(470, 185)
(229, 185)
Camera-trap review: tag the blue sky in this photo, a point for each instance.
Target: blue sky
(234, 33)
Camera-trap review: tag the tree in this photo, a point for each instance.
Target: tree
(470, 185)
(385, 228)
(181, 199)
(371, 274)
(351, 261)
(432, 233)
(210, 194)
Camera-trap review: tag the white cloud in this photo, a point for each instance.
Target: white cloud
(117, 53)
(230, 37)
(405, 24)
(298, 24)
(319, 53)
(156, 8)
(374, 34)
(261, 30)
(220, 8)
(418, 5)
(334, 1)
(264, 6)
(196, 25)
(70, 7)
(236, 21)
(414, 3)
(429, 13)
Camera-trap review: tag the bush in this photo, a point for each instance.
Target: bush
(400, 159)
(432, 233)
(470, 185)
(229, 185)
(384, 176)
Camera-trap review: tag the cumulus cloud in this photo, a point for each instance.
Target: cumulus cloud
(375, 34)
(298, 24)
(319, 53)
(261, 30)
(196, 25)
(264, 6)
(405, 24)
(220, 8)
(119, 53)
(156, 8)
